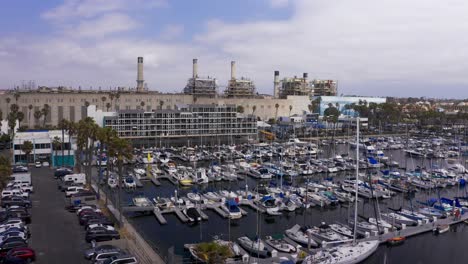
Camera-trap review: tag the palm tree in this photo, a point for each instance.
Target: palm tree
(5, 171)
(17, 96)
(12, 117)
(14, 108)
(290, 109)
(142, 104)
(254, 108)
(20, 117)
(108, 105)
(86, 103)
(111, 97)
(71, 130)
(87, 129)
(30, 107)
(276, 111)
(63, 124)
(37, 115)
(45, 113)
(240, 109)
(8, 100)
(161, 103)
(105, 136)
(120, 149)
(103, 99)
(27, 148)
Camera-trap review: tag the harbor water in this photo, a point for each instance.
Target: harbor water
(426, 248)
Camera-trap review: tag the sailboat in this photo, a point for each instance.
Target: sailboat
(349, 253)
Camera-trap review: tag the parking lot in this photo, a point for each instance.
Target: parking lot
(56, 235)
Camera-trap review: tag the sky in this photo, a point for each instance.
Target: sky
(373, 48)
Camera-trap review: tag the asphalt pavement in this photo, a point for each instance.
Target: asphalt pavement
(56, 235)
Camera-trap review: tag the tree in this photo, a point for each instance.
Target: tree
(63, 124)
(8, 100)
(103, 99)
(86, 136)
(14, 108)
(290, 109)
(12, 122)
(240, 109)
(254, 108)
(17, 95)
(27, 148)
(20, 117)
(45, 113)
(56, 143)
(111, 98)
(108, 105)
(30, 107)
(276, 111)
(120, 149)
(37, 115)
(5, 171)
(161, 103)
(105, 136)
(86, 104)
(142, 104)
(311, 108)
(71, 130)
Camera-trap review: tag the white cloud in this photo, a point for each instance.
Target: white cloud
(279, 3)
(104, 25)
(71, 9)
(388, 47)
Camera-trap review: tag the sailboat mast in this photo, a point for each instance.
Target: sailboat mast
(357, 178)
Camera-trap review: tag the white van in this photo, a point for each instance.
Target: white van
(78, 178)
(15, 192)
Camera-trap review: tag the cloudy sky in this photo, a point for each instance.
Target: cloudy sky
(386, 47)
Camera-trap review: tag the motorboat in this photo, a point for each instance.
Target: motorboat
(199, 176)
(299, 235)
(351, 253)
(129, 182)
(279, 244)
(342, 230)
(112, 182)
(269, 203)
(212, 196)
(393, 217)
(232, 208)
(396, 241)
(147, 157)
(440, 229)
(142, 201)
(194, 197)
(191, 213)
(163, 203)
(324, 233)
(255, 247)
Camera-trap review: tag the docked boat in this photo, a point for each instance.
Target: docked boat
(142, 201)
(342, 229)
(255, 247)
(440, 229)
(351, 253)
(324, 233)
(112, 182)
(194, 197)
(396, 241)
(192, 213)
(278, 243)
(212, 196)
(299, 235)
(232, 208)
(398, 219)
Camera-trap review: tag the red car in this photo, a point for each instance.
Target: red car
(22, 253)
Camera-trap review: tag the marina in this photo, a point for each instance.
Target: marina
(312, 194)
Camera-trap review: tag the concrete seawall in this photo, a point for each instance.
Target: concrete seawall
(131, 240)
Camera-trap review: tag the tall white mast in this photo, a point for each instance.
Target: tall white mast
(357, 179)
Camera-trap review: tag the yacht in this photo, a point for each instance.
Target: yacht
(147, 157)
(324, 233)
(232, 208)
(279, 244)
(351, 253)
(255, 247)
(299, 235)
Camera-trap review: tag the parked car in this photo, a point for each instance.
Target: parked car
(22, 253)
(15, 200)
(6, 247)
(72, 190)
(10, 239)
(15, 229)
(23, 235)
(45, 164)
(90, 253)
(98, 221)
(37, 164)
(90, 215)
(101, 234)
(15, 192)
(100, 257)
(127, 259)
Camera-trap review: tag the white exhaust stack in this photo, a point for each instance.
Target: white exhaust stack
(195, 68)
(140, 80)
(233, 70)
(276, 84)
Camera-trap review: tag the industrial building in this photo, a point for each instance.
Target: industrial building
(185, 121)
(43, 149)
(242, 87)
(295, 86)
(196, 86)
(324, 88)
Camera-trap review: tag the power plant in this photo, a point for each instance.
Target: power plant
(242, 87)
(197, 86)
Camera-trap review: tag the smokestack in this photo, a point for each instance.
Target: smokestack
(140, 81)
(195, 68)
(233, 70)
(276, 85)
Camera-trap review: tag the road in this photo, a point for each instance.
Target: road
(56, 235)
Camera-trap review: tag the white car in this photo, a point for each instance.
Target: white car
(73, 190)
(45, 164)
(16, 192)
(38, 164)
